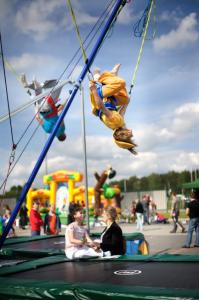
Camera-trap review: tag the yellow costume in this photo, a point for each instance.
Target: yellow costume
(113, 85)
(112, 90)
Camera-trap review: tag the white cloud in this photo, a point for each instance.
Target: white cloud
(83, 18)
(186, 117)
(185, 34)
(36, 18)
(5, 9)
(185, 161)
(100, 153)
(27, 62)
(172, 128)
(126, 16)
(171, 16)
(191, 108)
(40, 18)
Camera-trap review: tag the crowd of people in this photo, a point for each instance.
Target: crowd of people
(77, 240)
(143, 211)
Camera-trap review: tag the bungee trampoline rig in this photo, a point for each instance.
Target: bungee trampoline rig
(36, 268)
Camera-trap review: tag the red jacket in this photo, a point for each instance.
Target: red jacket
(35, 220)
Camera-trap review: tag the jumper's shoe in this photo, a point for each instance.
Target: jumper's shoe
(96, 74)
(24, 80)
(133, 151)
(116, 69)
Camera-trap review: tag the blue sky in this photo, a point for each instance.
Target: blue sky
(39, 39)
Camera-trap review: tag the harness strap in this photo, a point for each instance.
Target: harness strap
(53, 112)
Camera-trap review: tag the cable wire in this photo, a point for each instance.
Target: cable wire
(6, 87)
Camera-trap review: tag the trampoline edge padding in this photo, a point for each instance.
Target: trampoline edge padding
(26, 239)
(32, 289)
(33, 264)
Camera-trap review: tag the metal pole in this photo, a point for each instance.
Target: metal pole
(191, 174)
(59, 121)
(46, 158)
(85, 158)
(124, 185)
(195, 171)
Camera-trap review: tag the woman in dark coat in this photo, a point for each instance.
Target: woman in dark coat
(111, 237)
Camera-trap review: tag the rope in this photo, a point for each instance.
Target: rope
(111, 26)
(12, 155)
(77, 29)
(6, 87)
(104, 15)
(11, 160)
(10, 67)
(18, 158)
(143, 32)
(78, 34)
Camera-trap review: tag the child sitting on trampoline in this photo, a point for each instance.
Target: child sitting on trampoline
(78, 244)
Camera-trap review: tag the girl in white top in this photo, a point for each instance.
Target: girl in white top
(78, 243)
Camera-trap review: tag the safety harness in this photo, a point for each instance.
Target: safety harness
(53, 109)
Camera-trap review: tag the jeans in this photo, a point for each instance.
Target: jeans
(35, 233)
(139, 221)
(176, 222)
(193, 225)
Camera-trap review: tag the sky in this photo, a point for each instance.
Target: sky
(39, 39)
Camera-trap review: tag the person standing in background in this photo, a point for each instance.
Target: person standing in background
(23, 216)
(139, 215)
(133, 211)
(193, 212)
(145, 204)
(175, 214)
(6, 218)
(52, 223)
(35, 219)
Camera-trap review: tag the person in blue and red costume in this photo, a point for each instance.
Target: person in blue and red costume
(46, 109)
(109, 100)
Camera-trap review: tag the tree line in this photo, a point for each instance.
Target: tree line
(14, 192)
(171, 181)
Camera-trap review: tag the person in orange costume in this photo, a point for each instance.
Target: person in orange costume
(108, 92)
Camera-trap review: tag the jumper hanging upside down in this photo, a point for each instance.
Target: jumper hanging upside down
(108, 92)
(46, 108)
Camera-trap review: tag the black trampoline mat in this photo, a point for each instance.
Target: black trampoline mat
(148, 274)
(57, 242)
